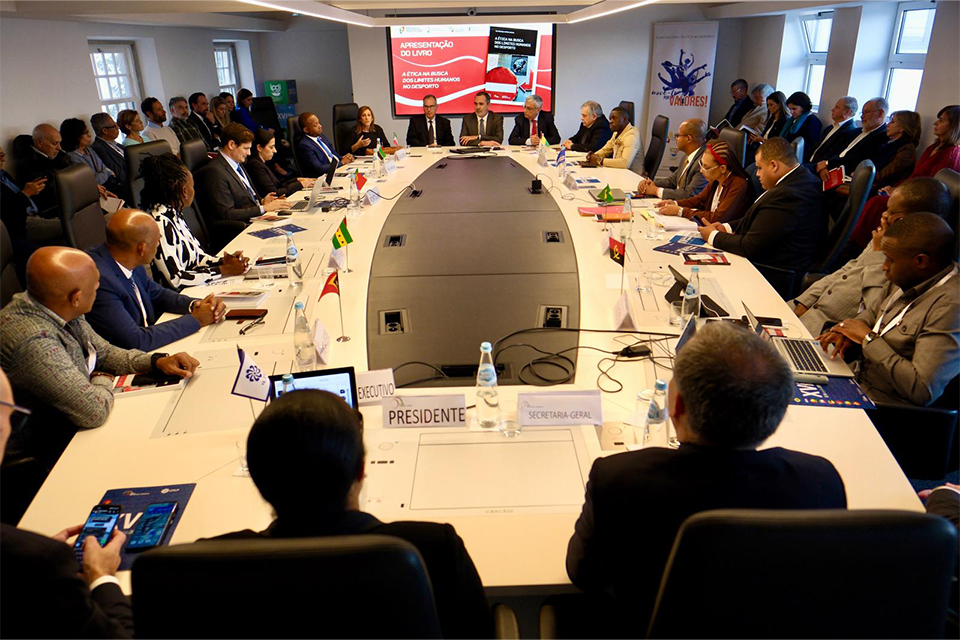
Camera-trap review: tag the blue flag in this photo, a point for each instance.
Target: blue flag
(562, 157)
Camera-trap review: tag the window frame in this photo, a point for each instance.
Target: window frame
(231, 49)
(814, 58)
(129, 52)
(905, 60)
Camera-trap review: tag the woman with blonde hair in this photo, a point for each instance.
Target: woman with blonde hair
(221, 111)
(728, 194)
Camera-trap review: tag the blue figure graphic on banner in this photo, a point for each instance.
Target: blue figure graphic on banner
(683, 79)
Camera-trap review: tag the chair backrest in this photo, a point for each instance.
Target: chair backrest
(293, 135)
(193, 153)
(830, 573)
(797, 145)
(631, 109)
(737, 139)
(80, 213)
(754, 180)
(843, 226)
(264, 113)
(9, 282)
(344, 118)
(951, 178)
(658, 142)
(331, 586)
(135, 154)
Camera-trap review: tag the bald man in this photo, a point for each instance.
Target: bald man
(129, 302)
(46, 158)
(56, 361)
(85, 605)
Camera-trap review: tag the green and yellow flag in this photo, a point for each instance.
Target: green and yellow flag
(341, 237)
(380, 151)
(605, 195)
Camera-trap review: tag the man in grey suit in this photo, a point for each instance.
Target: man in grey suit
(491, 133)
(687, 180)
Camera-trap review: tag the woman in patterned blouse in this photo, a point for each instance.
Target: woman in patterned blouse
(180, 260)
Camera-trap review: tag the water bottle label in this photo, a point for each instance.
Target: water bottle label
(292, 252)
(654, 412)
(691, 291)
(487, 374)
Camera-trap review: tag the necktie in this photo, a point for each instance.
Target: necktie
(431, 138)
(330, 154)
(533, 128)
(483, 128)
(136, 293)
(246, 183)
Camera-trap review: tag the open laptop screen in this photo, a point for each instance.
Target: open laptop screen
(342, 382)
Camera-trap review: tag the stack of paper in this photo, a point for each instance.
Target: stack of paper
(674, 223)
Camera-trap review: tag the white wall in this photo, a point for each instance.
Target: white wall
(844, 42)
(941, 75)
(873, 50)
(727, 68)
(761, 40)
(46, 73)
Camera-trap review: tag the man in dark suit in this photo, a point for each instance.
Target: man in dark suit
(430, 130)
(315, 152)
(18, 203)
(533, 123)
(490, 134)
(742, 104)
(594, 129)
(43, 594)
(306, 457)
(225, 189)
(868, 144)
(729, 392)
(106, 147)
(786, 224)
(128, 302)
(838, 135)
(201, 116)
(45, 159)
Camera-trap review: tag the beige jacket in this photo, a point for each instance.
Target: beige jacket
(624, 150)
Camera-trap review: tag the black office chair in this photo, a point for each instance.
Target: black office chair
(9, 282)
(797, 145)
(294, 132)
(80, 214)
(345, 117)
(135, 155)
(193, 153)
(951, 178)
(264, 113)
(737, 139)
(658, 143)
(631, 110)
(754, 180)
(814, 574)
(843, 226)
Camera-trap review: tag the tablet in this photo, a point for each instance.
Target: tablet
(342, 382)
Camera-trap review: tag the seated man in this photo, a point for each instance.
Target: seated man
(687, 181)
(305, 454)
(533, 123)
(203, 118)
(180, 122)
(430, 130)
(594, 129)
(156, 130)
(110, 152)
(225, 188)
(868, 144)
(43, 596)
(314, 152)
(837, 136)
(784, 227)
(742, 104)
(838, 295)
(625, 149)
(129, 302)
(46, 158)
(483, 127)
(56, 360)
(729, 392)
(910, 339)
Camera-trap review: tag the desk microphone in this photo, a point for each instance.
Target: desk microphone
(536, 186)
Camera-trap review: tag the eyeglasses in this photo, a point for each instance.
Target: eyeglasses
(866, 111)
(18, 414)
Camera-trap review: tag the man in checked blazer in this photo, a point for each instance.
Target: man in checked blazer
(492, 134)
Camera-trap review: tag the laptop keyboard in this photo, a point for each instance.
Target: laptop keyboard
(804, 356)
(299, 206)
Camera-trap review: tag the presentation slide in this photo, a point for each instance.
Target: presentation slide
(454, 62)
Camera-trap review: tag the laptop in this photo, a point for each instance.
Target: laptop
(803, 356)
(708, 306)
(688, 331)
(618, 195)
(341, 382)
(316, 195)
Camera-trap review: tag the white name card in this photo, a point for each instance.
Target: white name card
(321, 342)
(400, 154)
(605, 242)
(560, 408)
(623, 319)
(425, 411)
(390, 164)
(337, 259)
(374, 386)
(570, 182)
(371, 197)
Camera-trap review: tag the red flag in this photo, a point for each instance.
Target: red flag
(359, 179)
(332, 285)
(617, 251)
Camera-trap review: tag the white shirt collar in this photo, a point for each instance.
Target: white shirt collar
(788, 173)
(126, 272)
(41, 153)
(230, 161)
(837, 125)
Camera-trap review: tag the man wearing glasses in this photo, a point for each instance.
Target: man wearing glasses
(105, 146)
(430, 130)
(866, 146)
(686, 181)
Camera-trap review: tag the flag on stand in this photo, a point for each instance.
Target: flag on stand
(380, 152)
(543, 141)
(341, 237)
(358, 179)
(618, 251)
(252, 382)
(605, 195)
(396, 141)
(332, 285)
(562, 157)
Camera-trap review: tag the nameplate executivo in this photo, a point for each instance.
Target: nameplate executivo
(374, 386)
(425, 411)
(560, 408)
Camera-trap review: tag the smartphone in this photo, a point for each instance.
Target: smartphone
(699, 221)
(285, 212)
(100, 523)
(767, 322)
(153, 526)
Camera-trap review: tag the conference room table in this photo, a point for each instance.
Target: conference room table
(197, 434)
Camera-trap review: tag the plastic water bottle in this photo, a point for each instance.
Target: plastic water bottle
(542, 155)
(378, 164)
(562, 168)
(302, 338)
(626, 226)
(294, 267)
(691, 297)
(488, 399)
(657, 413)
(287, 383)
(353, 204)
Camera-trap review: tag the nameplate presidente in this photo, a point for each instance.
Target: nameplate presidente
(374, 386)
(560, 408)
(425, 411)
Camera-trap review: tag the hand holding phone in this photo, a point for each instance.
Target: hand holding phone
(100, 525)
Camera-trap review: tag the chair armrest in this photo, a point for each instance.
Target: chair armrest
(809, 279)
(505, 623)
(223, 231)
(548, 622)
(784, 281)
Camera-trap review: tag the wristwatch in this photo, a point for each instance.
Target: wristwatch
(870, 337)
(154, 358)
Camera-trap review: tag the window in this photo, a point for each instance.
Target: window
(225, 55)
(115, 72)
(908, 54)
(816, 37)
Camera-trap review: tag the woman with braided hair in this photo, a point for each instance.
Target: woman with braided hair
(180, 260)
